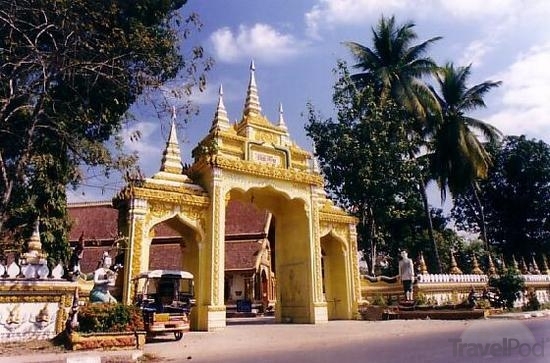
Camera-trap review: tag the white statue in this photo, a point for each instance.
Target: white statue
(103, 278)
(406, 274)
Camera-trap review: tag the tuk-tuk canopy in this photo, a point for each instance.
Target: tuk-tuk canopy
(177, 274)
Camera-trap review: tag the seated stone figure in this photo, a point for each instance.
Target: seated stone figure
(103, 278)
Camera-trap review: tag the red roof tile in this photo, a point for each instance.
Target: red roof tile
(98, 221)
(244, 218)
(241, 255)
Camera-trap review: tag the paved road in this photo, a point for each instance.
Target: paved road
(409, 341)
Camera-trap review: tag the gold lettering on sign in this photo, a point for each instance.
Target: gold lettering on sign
(266, 158)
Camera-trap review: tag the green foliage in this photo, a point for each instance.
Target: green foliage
(379, 300)
(421, 298)
(458, 157)
(364, 158)
(393, 67)
(99, 317)
(509, 284)
(515, 198)
(69, 71)
(533, 303)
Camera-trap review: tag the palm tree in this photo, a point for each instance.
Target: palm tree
(395, 67)
(459, 158)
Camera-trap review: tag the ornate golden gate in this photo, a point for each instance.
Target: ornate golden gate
(255, 161)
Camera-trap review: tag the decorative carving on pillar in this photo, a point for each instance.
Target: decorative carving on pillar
(317, 251)
(137, 248)
(216, 243)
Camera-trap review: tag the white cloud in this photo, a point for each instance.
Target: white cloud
(475, 53)
(525, 95)
(333, 12)
(486, 16)
(261, 42)
(474, 9)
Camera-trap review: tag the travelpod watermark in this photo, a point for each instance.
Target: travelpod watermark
(500, 339)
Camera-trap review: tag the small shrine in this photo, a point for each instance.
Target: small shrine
(34, 299)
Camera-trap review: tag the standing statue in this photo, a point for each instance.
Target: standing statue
(406, 274)
(103, 278)
(76, 257)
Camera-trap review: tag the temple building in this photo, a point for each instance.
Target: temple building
(248, 271)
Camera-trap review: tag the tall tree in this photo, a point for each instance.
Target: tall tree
(459, 158)
(515, 198)
(69, 70)
(395, 67)
(363, 155)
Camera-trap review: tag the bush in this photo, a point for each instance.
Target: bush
(109, 318)
(421, 298)
(533, 302)
(509, 284)
(379, 300)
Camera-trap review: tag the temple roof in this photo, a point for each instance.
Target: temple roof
(242, 254)
(98, 221)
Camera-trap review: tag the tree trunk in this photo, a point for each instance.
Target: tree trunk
(482, 226)
(430, 223)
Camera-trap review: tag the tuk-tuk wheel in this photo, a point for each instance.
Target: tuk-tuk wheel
(178, 335)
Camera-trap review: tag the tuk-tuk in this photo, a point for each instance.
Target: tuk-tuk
(165, 298)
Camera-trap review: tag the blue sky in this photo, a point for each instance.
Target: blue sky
(295, 46)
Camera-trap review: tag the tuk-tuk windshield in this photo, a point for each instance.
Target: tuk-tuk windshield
(165, 289)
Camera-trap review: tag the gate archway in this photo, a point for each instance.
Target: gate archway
(254, 161)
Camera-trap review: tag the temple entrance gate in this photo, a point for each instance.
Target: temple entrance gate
(253, 161)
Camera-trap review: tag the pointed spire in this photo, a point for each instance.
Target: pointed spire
(423, 267)
(515, 264)
(454, 270)
(545, 269)
(503, 263)
(523, 267)
(171, 158)
(34, 244)
(221, 120)
(535, 267)
(281, 118)
(252, 104)
(315, 161)
(476, 270)
(492, 270)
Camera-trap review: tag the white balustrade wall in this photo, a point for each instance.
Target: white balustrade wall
(450, 288)
(34, 301)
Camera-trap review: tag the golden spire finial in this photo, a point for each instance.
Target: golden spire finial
(535, 267)
(523, 267)
(423, 267)
(221, 120)
(252, 104)
(476, 270)
(503, 262)
(171, 158)
(455, 270)
(282, 123)
(515, 264)
(492, 270)
(545, 269)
